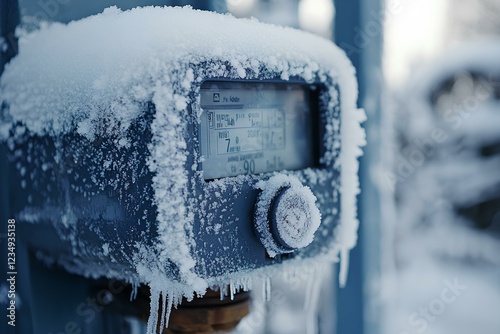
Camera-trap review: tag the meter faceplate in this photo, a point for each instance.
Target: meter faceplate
(224, 221)
(256, 127)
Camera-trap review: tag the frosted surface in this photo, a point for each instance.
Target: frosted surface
(297, 216)
(94, 76)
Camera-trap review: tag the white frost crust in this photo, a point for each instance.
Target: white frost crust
(296, 214)
(298, 217)
(353, 138)
(69, 77)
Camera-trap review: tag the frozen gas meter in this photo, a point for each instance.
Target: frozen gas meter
(252, 128)
(181, 148)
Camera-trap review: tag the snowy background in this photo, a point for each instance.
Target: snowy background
(441, 168)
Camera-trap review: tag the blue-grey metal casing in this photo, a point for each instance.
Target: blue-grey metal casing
(123, 213)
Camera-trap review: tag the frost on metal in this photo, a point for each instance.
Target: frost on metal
(103, 107)
(297, 215)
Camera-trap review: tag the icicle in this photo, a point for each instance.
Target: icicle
(168, 300)
(133, 293)
(311, 300)
(246, 284)
(309, 291)
(164, 297)
(344, 267)
(153, 314)
(266, 289)
(232, 287)
(222, 291)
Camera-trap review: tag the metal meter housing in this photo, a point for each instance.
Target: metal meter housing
(201, 155)
(228, 238)
(224, 196)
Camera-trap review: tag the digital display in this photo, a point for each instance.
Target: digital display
(253, 128)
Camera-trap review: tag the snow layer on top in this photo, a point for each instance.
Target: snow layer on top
(70, 77)
(117, 58)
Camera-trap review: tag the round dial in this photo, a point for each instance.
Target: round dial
(286, 215)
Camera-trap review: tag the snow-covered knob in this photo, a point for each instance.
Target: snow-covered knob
(286, 215)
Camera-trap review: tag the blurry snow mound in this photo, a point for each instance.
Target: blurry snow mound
(474, 59)
(450, 149)
(94, 77)
(447, 226)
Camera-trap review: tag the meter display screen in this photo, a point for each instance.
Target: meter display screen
(253, 128)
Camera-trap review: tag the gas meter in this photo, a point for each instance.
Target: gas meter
(182, 149)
